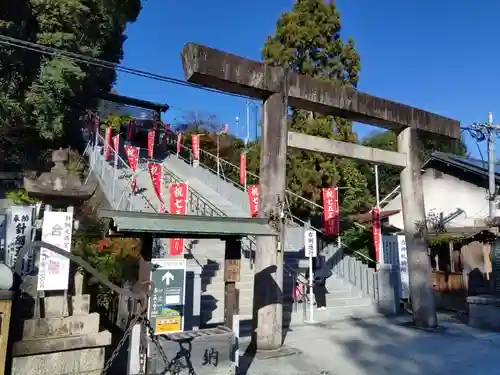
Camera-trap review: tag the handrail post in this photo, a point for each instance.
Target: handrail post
(218, 153)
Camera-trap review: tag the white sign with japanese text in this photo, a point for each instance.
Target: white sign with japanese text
(310, 245)
(18, 234)
(3, 235)
(403, 266)
(53, 273)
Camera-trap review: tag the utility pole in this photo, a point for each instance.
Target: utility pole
(488, 131)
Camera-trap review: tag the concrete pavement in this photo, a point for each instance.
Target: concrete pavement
(381, 346)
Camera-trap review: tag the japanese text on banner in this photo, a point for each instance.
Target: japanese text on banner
(53, 273)
(132, 156)
(253, 199)
(107, 144)
(3, 235)
(195, 145)
(310, 244)
(18, 234)
(243, 168)
(178, 206)
(151, 142)
(155, 171)
(331, 221)
(377, 235)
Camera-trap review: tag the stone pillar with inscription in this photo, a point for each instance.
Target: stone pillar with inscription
(53, 330)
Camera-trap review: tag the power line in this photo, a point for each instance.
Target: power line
(92, 61)
(488, 131)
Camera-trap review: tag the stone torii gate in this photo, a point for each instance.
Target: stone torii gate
(280, 89)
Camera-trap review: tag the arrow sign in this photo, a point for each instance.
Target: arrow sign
(167, 278)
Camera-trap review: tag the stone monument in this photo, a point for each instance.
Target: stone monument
(484, 310)
(56, 334)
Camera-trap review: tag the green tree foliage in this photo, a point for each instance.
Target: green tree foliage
(308, 41)
(387, 140)
(42, 97)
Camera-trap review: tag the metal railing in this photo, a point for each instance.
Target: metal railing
(120, 196)
(119, 193)
(219, 171)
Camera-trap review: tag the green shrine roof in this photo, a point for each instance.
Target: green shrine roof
(184, 226)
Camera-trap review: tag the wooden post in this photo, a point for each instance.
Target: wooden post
(268, 282)
(232, 265)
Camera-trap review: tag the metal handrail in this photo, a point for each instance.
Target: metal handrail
(238, 185)
(124, 166)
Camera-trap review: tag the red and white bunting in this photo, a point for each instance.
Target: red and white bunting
(151, 142)
(195, 146)
(133, 157)
(253, 199)
(377, 232)
(243, 168)
(179, 140)
(178, 206)
(155, 171)
(331, 220)
(107, 143)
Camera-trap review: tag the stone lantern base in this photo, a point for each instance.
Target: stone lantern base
(66, 341)
(484, 312)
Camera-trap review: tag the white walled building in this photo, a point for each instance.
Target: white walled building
(454, 186)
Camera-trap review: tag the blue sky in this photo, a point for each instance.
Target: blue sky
(441, 56)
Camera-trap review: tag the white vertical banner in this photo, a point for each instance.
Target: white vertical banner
(403, 267)
(53, 273)
(18, 228)
(3, 224)
(311, 251)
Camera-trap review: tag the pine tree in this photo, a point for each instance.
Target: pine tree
(308, 41)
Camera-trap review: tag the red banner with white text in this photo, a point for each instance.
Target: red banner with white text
(195, 145)
(151, 142)
(377, 232)
(178, 206)
(107, 143)
(133, 157)
(331, 219)
(155, 171)
(243, 168)
(179, 140)
(253, 199)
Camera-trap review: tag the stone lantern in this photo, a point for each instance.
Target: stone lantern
(66, 337)
(58, 187)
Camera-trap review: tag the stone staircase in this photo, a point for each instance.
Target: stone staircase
(212, 196)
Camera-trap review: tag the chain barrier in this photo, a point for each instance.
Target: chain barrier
(139, 296)
(133, 322)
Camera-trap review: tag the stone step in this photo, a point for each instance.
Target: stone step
(295, 314)
(214, 312)
(60, 327)
(210, 302)
(55, 306)
(83, 361)
(54, 344)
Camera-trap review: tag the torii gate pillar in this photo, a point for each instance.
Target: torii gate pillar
(234, 74)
